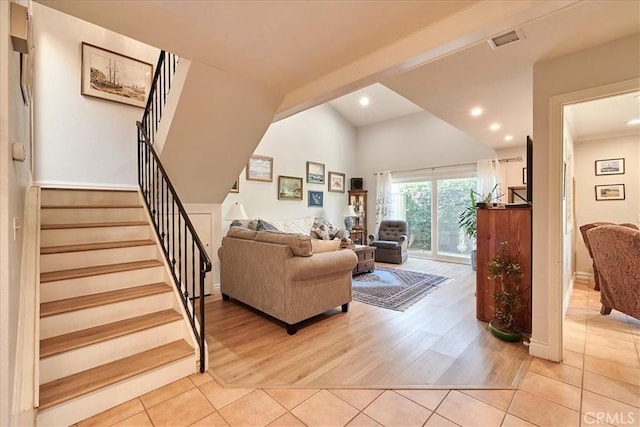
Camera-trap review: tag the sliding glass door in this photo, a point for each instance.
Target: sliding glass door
(431, 204)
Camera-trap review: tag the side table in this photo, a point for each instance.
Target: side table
(366, 256)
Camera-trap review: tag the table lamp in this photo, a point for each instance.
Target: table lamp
(236, 214)
(348, 213)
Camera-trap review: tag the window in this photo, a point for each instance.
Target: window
(431, 204)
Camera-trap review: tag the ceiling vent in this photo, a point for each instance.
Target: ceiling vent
(506, 38)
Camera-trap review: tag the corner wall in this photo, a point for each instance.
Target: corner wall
(81, 140)
(15, 177)
(563, 80)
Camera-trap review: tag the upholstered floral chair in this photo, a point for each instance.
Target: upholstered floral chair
(616, 253)
(583, 230)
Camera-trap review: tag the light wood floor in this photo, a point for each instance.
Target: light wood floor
(437, 342)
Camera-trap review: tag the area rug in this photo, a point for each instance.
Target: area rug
(393, 288)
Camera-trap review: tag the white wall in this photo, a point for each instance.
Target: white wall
(419, 140)
(587, 208)
(555, 81)
(318, 135)
(80, 140)
(14, 179)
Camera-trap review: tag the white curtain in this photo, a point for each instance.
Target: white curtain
(384, 198)
(491, 173)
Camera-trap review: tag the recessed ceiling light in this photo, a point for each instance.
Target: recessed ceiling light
(508, 138)
(494, 127)
(476, 112)
(364, 101)
(634, 122)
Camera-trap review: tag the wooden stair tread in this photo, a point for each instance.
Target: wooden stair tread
(61, 343)
(64, 389)
(92, 225)
(95, 246)
(103, 298)
(75, 273)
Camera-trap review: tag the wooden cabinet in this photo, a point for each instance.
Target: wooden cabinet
(358, 199)
(495, 226)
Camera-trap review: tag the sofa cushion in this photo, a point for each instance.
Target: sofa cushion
(241, 233)
(299, 244)
(320, 246)
(385, 244)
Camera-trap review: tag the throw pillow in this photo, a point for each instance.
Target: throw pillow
(320, 246)
(265, 226)
(322, 231)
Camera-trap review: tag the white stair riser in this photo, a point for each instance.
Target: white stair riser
(84, 358)
(64, 323)
(83, 407)
(75, 236)
(63, 289)
(58, 197)
(70, 260)
(89, 215)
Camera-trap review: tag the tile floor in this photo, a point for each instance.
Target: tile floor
(598, 383)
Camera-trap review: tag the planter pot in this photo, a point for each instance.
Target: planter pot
(481, 205)
(474, 263)
(504, 336)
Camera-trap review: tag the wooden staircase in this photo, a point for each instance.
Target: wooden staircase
(111, 326)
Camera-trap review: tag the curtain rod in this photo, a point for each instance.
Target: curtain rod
(510, 159)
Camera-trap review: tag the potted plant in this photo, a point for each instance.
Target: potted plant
(467, 218)
(507, 273)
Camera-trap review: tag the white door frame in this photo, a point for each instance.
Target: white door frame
(555, 300)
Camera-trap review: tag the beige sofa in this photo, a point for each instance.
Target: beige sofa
(281, 275)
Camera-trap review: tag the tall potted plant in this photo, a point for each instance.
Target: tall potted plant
(467, 218)
(507, 273)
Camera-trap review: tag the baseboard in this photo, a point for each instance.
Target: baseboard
(541, 350)
(583, 276)
(85, 186)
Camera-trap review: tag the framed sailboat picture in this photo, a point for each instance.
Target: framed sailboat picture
(115, 77)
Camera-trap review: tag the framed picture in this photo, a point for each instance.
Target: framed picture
(115, 77)
(289, 188)
(610, 167)
(336, 182)
(235, 188)
(315, 198)
(260, 168)
(524, 175)
(315, 173)
(610, 192)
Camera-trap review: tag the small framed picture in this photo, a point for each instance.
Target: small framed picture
(610, 192)
(524, 175)
(315, 173)
(315, 199)
(610, 167)
(235, 188)
(336, 182)
(289, 188)
(260, 168)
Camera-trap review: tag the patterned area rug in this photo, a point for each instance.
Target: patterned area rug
(393, 288)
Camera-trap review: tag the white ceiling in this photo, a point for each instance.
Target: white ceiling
(306, 52)
(501, 80)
